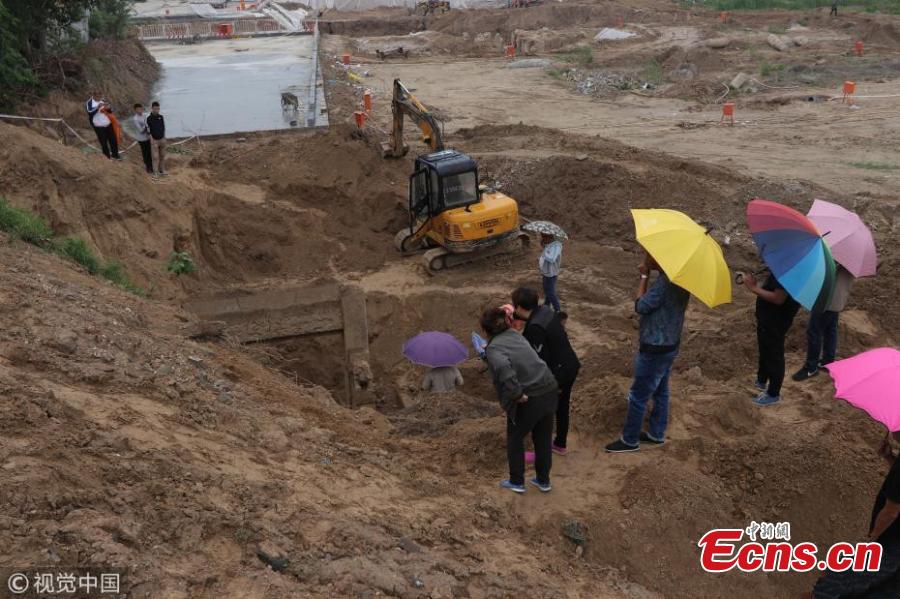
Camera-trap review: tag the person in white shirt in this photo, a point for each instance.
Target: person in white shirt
(102, 126)
(143, 136)
(442, 379)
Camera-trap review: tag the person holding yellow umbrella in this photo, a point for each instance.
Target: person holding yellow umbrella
(689, 261)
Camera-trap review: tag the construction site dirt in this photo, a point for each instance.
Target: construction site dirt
(131, 438)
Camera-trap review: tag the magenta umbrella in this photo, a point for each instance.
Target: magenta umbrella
(870, 381)
(848, 237)
(435, 349)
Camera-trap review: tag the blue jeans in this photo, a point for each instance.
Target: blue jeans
(651, 380)
(821, 339)
(550, 297)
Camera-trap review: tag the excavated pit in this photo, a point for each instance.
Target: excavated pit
(325, 206)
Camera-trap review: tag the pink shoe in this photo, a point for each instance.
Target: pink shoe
(529, 457)
(558, 450)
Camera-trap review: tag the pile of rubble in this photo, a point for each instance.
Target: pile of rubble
(601, 83)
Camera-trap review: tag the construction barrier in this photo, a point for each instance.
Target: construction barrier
(849, 89)
(209, 29)
(268, 26)
(177, 31)
(727, 113)
(367, 100)
(201, 29)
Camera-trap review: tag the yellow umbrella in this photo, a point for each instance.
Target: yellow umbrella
(686, 252)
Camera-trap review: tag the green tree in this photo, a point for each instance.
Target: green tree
(40, 22)
(15, 74)
(109, 18)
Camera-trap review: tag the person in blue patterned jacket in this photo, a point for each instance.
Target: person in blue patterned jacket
(661, 307)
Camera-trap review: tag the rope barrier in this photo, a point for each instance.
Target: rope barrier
(78, 135)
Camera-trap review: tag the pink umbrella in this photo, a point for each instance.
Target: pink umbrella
(870, 381)
(848, 237)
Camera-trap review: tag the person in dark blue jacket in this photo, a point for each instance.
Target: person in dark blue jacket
(661, 306)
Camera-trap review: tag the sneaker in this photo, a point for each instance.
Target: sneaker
(529, 457)
(760, 385)
(646, 438)
(803, 374)
(764, 399)
(544, 487)
(620, 446)
(558, 450)
(163, 174)
(512, 487)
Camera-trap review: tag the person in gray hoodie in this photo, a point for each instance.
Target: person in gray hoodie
(528, 393)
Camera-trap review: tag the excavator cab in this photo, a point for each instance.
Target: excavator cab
(442, 181)
(450, 213)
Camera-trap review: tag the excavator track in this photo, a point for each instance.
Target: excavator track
(438, 259)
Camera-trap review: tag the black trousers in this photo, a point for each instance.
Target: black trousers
(883, 584)
(535, 416)
(108, 142)
(147, 154)
(562, 410)
(833, 12)
(771, 357)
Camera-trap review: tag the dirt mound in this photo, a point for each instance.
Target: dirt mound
(314, 196)
(336, 179)
(681, 63)
(431, 43)
(883, 32)
(549, 15)
(483, 21)
(370, 26)
(108, 410)
(588, 185)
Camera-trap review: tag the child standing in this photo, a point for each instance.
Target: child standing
(549, 264)
(157, 127)
(143, 136)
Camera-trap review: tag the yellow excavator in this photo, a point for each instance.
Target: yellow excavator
(451, 216)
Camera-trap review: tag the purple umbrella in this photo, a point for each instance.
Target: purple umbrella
(435, 349)
(848, 237)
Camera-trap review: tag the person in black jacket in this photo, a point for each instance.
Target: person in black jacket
(545, 332)
(775, 311)
(884, 529)
(157, 126)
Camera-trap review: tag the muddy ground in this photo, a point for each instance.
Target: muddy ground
(125, 443)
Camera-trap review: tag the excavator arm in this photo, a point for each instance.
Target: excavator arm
(406, 104)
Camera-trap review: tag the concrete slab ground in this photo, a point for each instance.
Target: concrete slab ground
(232, 86)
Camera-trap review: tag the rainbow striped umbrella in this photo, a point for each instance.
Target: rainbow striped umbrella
(793, 249)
